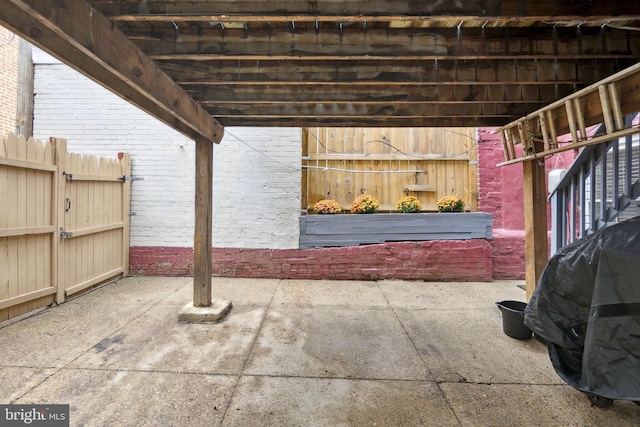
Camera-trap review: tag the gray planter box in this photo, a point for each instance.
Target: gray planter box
(318, 231)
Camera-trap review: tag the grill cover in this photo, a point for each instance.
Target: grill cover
(586, 306)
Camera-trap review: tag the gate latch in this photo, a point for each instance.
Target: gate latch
(66, 234)
(126, 178)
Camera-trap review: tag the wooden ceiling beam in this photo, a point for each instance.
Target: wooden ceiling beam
(389, 44)
(445, 72)
(363, 94)
(370, 10)
(100, 51)
(471, 121)
(355, 109)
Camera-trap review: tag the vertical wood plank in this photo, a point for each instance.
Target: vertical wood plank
(535, 222)
(22, 207)
(203, 224)
(125, 161)
(5, 278)
(58, 255)
(31, 264)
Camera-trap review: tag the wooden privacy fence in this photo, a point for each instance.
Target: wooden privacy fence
(389, 163)
(64, 222)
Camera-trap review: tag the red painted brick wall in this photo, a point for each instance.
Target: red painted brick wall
(453, 260)
(500, 193)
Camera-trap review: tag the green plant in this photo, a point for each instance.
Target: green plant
(364, 204)
(327, 206)
(450, 204)
(409, 204)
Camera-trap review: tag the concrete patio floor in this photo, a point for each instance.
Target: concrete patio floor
(291, 353)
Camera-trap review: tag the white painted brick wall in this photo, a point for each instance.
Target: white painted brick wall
(256, 201)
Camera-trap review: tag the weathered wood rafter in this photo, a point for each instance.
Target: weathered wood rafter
(230, 93)
(371, 10)
(194, 43)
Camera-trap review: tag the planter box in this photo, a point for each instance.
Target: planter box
(318, 231)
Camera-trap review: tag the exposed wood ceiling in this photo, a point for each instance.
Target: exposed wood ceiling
(345, 62)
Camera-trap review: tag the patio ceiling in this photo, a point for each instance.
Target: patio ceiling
(202, 65)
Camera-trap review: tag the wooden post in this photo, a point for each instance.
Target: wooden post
(24, 119)
(203, 224)
(125, 169)
(58, 250)
(536, 250)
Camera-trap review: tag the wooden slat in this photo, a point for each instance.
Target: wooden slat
(94, 281)
(568, 105)
(419, 188)
(95, 229)
(79, 177)
(615, 106)
(25, 297)
(579, 117)
(26, 231)
(606, 108)
(23, 164)
(388, 157)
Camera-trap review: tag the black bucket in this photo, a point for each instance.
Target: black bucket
(513, 319)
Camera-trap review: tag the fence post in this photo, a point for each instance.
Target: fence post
(125, 168)
(60, 146)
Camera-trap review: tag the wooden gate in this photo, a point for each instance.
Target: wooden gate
(64, 223)
(388, 163)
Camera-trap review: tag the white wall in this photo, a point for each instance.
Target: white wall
(256, 200)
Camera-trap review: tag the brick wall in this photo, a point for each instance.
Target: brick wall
(9, 54)
(456, 260)
(256, 196)
(501, 194)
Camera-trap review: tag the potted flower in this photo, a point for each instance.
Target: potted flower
(364, 204)
(409, 204)
(327, 207)
(450, 204)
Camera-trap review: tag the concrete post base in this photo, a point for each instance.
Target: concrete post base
(214, 313)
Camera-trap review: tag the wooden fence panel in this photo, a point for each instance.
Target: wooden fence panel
(27, 225)
(389, 163)
(63, 222)
(95, 243)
